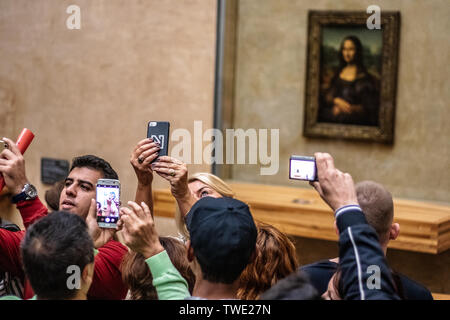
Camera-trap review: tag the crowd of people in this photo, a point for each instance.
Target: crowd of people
(221, 251)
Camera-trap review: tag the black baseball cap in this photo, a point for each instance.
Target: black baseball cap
(223, 236)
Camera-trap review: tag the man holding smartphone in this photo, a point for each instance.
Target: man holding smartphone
(76, 197)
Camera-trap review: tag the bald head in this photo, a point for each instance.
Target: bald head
(377, 205)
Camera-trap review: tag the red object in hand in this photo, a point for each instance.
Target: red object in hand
(23, 141)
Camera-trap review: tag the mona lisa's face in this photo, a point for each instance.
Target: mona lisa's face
(348, 51)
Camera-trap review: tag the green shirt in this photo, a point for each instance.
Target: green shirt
(168, 282)
(15, 298)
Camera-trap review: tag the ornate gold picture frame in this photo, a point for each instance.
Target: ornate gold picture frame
(351, 76)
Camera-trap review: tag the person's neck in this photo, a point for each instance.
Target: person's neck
(215, 291)
(383, 247)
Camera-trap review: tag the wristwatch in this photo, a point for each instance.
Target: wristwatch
(29, 192)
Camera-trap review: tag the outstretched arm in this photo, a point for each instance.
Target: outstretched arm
(12, 166)
(143, 154)
(359, 248)
(175, 171)
(140, 235)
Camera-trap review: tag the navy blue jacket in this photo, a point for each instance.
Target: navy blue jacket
(358, 249)
(320, 273)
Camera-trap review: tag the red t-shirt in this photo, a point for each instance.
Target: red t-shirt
(107, 281)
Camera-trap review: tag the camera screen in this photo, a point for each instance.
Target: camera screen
(108, 203)
(303, 169)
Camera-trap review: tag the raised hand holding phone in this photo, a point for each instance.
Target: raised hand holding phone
(138, 229)
(23, 141)
(143, 154)
(100, 236)
(336, 188)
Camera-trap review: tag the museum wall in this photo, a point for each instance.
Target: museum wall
(93, 90)
(269, 93)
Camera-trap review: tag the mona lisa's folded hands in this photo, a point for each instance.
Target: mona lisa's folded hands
(340, 105)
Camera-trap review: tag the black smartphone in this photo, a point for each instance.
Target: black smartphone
(159, 132)
(108, 202)
(303, 168)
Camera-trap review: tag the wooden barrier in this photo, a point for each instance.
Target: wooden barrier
(441, 296)
(424, 227)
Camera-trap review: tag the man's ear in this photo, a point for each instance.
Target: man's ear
(394, 231)
(88, 273)
(190, 251)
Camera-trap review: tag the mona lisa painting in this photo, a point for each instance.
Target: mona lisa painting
(351, 76)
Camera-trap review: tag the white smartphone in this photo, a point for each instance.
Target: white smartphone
(108, 202)
(302, 168)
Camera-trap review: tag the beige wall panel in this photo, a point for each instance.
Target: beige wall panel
(93, 90)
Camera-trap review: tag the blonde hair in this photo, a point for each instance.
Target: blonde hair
(212, 181)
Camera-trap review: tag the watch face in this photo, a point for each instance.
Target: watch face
(30, 191)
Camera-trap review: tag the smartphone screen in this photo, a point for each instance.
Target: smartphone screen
(302, 168)
(108, 202)
(159, 132)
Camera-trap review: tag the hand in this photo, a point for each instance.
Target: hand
(100, 236)
(335, 187)
(12, 166)
(174, 171)
(138, 230)
(342, 105)
(143, 154)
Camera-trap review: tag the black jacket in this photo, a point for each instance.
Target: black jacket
(320, 273)
(359, 249)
